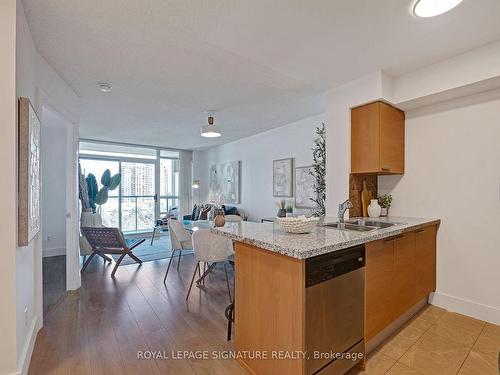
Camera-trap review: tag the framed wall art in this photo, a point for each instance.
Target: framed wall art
(224, 182)
(304, 188)
(29, 173)
(283, 178)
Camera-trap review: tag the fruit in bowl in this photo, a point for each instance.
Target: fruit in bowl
(300, 224)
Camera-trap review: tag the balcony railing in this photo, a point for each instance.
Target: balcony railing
(138, 212)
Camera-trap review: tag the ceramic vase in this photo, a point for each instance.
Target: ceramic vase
(281, 212)
(374, 209)
(219, 220)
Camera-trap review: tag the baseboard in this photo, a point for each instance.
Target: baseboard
(467, 307)
(27, 351)
(53, 252)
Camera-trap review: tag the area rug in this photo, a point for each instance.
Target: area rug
(161, 249)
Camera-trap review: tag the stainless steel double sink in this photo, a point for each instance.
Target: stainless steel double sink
(361, 225)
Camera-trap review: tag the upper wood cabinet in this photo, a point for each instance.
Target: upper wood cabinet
(377, 139)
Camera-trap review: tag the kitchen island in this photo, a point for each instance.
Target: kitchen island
(286, 322)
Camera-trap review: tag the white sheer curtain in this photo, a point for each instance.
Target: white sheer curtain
(185, 183)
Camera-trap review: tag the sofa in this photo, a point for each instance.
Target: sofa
(206, 212)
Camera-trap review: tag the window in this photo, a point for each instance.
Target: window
(169, 184)
(149, 186)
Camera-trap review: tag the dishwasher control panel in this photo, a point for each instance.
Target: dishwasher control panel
(327, 266)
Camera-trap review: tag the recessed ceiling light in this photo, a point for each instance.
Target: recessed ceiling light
(104, 87)
(210, 130)
(432, 8)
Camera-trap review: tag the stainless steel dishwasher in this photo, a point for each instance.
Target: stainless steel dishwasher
(335, 307)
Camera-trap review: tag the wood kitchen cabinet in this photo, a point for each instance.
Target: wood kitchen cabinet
(404, 273)
(379, 283)
(377, 139)
(400, 271)
(425, 260)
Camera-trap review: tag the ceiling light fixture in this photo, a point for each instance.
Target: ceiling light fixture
(432, 8)
(210, 130)
(104, 87)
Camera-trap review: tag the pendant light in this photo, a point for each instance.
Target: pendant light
(210, 130)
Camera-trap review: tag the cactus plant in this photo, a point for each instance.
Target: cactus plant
(100, 196)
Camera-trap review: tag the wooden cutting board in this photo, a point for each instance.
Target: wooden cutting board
(365, 199)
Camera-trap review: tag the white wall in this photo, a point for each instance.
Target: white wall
(8, 187)
(36, 80)
(452, 172)
(257, 154)
(339, 102)
(53, 157)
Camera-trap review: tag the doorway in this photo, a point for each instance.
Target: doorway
(58, 161)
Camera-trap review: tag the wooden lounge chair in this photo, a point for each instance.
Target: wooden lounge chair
(109, 241)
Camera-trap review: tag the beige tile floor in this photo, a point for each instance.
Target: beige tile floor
(438, 342)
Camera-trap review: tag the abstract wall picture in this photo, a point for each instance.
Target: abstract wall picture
(283, 178)
(224, 182)
(29, 173)
(304, 188)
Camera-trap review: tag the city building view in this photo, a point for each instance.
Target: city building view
(138, 202)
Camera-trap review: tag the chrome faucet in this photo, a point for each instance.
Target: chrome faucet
(343, 207)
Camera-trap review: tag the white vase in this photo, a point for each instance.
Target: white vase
(374, 208)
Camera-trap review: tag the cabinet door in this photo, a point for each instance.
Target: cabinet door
(365, 143)
(379, 276)
(392, 135)
(425, 253)
(404, 273)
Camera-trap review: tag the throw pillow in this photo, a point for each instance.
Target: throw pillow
(231, 210)
(195, 213)
(204, 212)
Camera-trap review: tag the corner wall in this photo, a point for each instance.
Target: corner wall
(8, 187)
(257, 154)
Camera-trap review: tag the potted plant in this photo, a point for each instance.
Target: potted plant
(289, 210)
(281, 208)
(385, 201)
(319, 171)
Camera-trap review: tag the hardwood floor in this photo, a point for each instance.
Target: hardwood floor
(101, 328)
(54, 281)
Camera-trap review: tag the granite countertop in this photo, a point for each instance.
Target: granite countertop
(321, 240)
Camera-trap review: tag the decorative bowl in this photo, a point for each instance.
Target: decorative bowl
(299, 224)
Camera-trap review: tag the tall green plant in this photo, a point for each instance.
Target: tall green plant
(100, 196)
(319, 170)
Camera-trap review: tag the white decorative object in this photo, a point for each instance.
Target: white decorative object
(299, 224)
(29, 173)
(224, 182)
(283, 178)
(304, 188)
(374, 208)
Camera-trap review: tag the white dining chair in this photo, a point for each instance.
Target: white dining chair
(211, 249)
(233, 218)
(180, 240)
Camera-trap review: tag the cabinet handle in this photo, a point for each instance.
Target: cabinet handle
(419, 230)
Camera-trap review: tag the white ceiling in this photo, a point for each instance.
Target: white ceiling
(260, 63)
